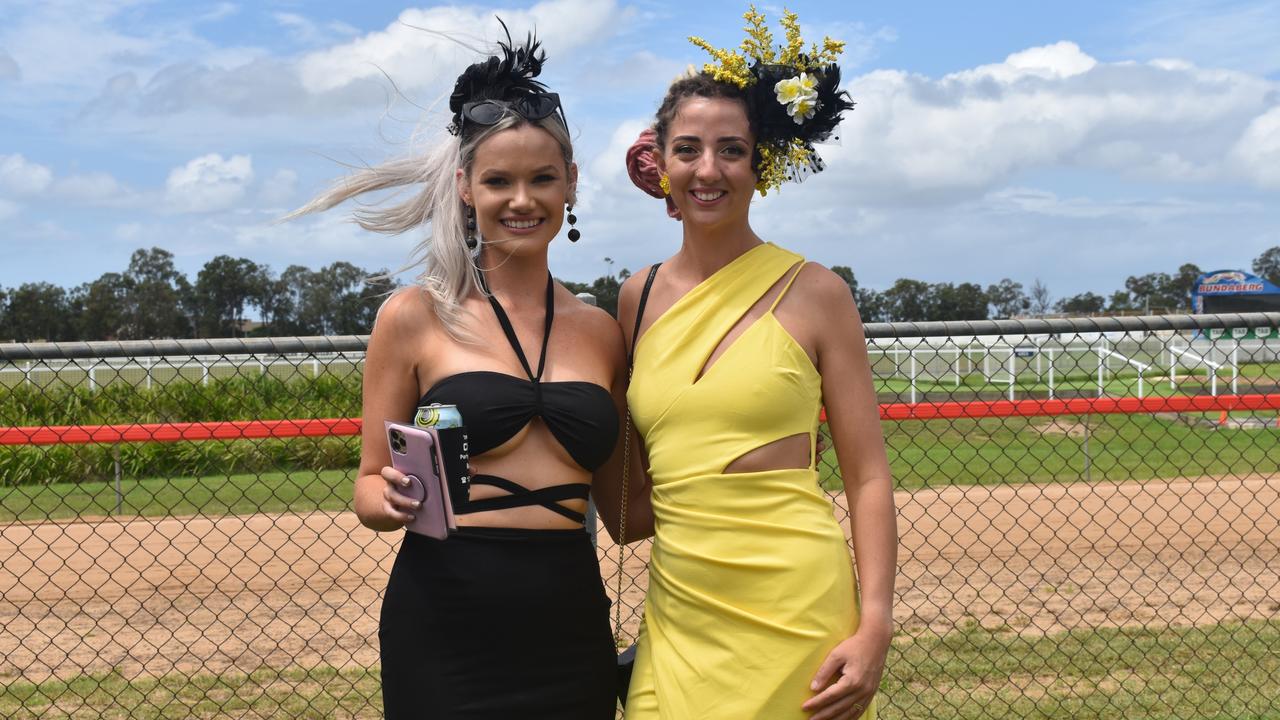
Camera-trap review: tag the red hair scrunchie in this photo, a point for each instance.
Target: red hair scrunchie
(643, 169)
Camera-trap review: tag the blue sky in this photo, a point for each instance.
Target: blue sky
(1074, 143)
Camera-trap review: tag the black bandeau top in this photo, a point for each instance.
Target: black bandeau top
(495, 406)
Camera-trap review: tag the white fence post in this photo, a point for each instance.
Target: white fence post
(913, 376)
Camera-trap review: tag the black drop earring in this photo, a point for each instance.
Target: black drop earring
(471, 228)
(573, 231)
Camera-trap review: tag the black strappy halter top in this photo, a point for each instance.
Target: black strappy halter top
(495, 406)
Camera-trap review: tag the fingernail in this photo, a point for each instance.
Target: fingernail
(416, 504)
(412, 518)
(404, 481)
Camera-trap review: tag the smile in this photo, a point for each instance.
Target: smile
(521, 224)
(708, 196)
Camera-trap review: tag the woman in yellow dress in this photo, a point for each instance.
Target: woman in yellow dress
(753, 610)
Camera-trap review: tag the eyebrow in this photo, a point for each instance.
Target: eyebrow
(695, 138)
(497, 171)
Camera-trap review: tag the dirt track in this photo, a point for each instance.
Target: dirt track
(216, 594)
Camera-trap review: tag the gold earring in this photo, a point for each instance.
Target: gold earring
(664, 182)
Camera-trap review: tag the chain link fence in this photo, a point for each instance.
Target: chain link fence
(1089, 513)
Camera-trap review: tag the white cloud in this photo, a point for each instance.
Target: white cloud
(95, 188)
(1258, 151)
(8, 209)
(913, 139)
(422, 46)
(1020, 200)
(209, 183)
(20, 176)
(220, 11)
(1057, 61)
(610, 164)
(71, 44)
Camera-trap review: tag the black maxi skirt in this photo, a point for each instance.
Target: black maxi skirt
(497, 623)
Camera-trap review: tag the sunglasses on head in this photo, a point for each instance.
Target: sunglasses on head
(534, 106)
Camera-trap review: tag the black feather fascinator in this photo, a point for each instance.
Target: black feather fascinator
(505, 78)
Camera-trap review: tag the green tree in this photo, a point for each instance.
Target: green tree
(1007, 299)
(5, 334)
(1085, 303)
(1040, 299)
(38, 312)
(1183, 284)
(872, 305)
(966, 301)
(909, 301)
(1120, 302)
(1267, 265)
(223, 288)
(103, 306)
(159, 297)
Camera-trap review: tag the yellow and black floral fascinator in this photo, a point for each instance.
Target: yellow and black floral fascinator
(793, 96)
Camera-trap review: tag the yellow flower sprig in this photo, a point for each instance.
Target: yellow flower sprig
(795, 44)
(781, 162)
(735, 67)
(732, 67)
(758, 44)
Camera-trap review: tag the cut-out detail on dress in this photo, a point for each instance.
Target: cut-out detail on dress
(758, 310)
(781, 454)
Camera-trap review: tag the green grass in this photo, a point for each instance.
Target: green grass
(1230, 670)
(937, 453)
(322, 692)
(297, 491)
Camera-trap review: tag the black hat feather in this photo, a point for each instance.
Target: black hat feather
(499, 78)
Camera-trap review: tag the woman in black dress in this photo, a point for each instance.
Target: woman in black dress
(507, 617)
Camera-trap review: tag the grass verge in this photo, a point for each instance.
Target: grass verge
(1230, 670)
(297, 491)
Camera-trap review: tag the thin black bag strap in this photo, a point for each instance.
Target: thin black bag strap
(644, 299)
(626, 453)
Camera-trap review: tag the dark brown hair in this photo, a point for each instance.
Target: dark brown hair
(704, 86)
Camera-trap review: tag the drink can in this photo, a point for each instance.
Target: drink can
(438, 416)
(455, 448)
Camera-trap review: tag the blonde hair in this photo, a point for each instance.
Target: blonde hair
(449, 272)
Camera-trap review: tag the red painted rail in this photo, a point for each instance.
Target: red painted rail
(257, 429)
(175, 432)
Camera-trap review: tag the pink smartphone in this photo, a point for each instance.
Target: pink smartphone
(416, 452)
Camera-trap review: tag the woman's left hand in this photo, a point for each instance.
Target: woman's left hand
(849, 677)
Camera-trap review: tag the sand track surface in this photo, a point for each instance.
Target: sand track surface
(212, 595)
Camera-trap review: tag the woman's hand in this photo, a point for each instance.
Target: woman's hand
(849, 677)
(388, 509)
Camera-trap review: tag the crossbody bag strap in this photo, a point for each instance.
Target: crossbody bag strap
(626, 453)
(644, 299)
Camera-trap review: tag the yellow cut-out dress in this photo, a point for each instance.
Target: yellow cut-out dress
(750, 581)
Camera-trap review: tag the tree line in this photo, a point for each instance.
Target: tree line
(152, 299)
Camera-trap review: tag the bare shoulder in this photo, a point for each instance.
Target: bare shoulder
(594, 321)
(408, 312)
(822, 290)
(632, 286)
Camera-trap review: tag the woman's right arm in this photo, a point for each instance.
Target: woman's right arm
(390, 393)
